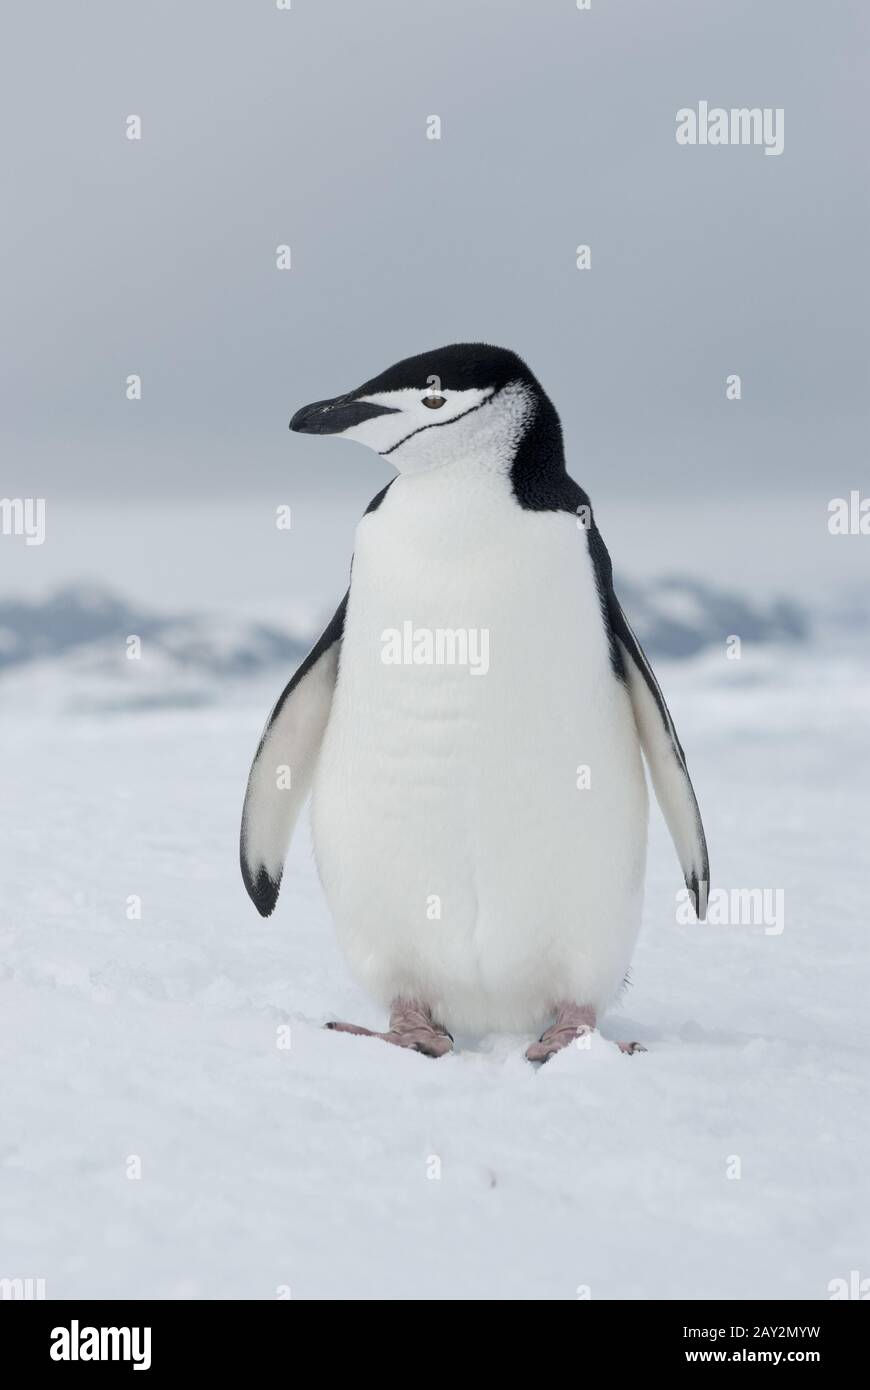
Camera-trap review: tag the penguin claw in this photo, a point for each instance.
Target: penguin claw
(437, 1046)
(428, 1040)
(555, 1039)
(355, 1028)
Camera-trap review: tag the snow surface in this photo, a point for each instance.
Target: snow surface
(314, 1167)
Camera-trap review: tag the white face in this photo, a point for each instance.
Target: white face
(453, 425)
(418, 410)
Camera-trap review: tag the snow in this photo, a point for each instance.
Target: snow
(315, 1167)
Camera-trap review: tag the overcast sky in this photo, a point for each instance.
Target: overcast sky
(308, 127)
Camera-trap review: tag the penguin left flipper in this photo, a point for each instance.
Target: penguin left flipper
(283, 766)
(665, 759)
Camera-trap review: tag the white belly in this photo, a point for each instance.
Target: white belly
(463, 864)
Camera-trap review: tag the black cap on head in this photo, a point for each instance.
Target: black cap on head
(460, 367)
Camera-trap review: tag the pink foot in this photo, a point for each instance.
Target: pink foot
(411, 1025)
(553, 1040)
(573, 1021)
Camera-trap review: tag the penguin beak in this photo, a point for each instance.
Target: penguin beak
(336, 416)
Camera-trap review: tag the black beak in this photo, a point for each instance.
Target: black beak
(332, 417)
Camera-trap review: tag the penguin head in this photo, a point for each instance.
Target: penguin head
(453, 402)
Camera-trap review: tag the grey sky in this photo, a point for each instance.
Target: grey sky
(262, 127)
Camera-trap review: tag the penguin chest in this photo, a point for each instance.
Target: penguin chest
(480, 770)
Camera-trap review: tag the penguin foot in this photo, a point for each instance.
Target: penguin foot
(573, 1023)
(553, 1040)
(411, 1025)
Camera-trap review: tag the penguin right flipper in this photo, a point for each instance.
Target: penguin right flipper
(665, 759)
(291, 740)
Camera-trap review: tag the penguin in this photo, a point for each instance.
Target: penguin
(472, 725)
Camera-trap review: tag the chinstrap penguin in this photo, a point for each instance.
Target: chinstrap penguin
(479, 828)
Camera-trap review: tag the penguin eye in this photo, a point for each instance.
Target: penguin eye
(434, 402)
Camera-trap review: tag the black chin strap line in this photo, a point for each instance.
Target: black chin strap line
(436, 424)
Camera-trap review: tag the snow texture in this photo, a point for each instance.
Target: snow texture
(341, 1167)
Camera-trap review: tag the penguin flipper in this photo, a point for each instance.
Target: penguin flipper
(666, 761)
(291, 739)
